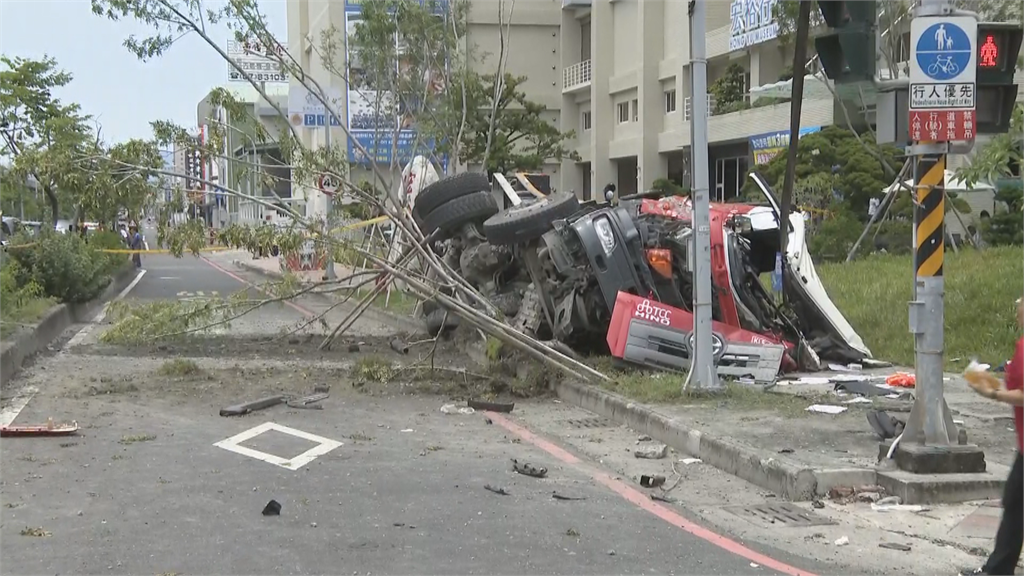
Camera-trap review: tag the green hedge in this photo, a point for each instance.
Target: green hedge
(64, 266)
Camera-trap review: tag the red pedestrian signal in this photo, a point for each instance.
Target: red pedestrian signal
(988, 53)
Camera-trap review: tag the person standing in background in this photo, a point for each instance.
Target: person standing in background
(1010, 536)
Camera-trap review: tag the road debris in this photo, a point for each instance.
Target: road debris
(826, 409)
(453, 409)
(842, 541)
(528, 469)
(273, 508)
(894, 546)
(49, 429)
(558, 496)
(399, 346)
(690, 460)
(651, 481)
(661, 498)
(485, 406)
(901, 380)
(496, 490)
(488, 421)
(36, 532)
(651, 452)
(248, 407)
(311, 402)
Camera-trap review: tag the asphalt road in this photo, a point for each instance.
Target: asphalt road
(145, 490)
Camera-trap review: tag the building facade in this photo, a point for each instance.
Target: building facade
(533, 42)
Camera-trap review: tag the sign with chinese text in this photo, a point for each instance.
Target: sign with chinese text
(752, 22)
(764, 147)
(945, 126)
(943, 78)
(255, 59)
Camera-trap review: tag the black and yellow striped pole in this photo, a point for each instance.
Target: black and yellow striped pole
(929, 212)
(930, 422)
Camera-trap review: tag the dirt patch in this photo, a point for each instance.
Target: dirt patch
(272, 347)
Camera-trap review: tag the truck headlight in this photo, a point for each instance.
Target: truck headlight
(604, 233)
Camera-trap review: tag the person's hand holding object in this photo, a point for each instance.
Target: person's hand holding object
(981, 380)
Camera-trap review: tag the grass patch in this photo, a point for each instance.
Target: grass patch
(179, 367)
(136, 438)
(656, 387)
(29, 311)
(980, 315)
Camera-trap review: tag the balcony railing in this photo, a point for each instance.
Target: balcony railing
(576, 3)
(576, 76)
(688, 107)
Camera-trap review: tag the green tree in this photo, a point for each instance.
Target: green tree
(1006, 227)
(729, 91)
(521, 139)
(852, 166)
(42, 136)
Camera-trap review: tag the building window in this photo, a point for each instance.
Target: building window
(585, 122)
(635, 106)
(623, 108)
(670, 101)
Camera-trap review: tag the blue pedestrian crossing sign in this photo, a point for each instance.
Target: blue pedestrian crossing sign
(943, 49)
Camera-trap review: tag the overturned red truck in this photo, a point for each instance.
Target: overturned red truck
(616, 278)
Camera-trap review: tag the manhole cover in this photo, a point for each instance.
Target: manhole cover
(596, 422)
(782, 513)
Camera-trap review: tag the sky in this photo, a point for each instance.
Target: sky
(121, 92)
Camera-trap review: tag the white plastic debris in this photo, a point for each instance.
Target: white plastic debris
(690, 460)
(826, 409)
(858, 400)
(843, 541)
(453, 409)
(813, 380)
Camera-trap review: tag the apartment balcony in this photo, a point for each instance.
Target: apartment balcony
(576, 4)
(577, 77)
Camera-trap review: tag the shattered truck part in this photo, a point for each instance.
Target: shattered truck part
(530, 221)
(659, 336)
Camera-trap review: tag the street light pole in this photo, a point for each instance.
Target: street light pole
(702, 363)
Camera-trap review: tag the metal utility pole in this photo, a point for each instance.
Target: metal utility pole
(702, 363)
(930, 422)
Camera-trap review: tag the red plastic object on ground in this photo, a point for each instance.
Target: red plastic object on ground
(901, 380)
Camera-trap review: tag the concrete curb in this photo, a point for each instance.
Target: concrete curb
(396, 321)
(58, 319)
(783, 477)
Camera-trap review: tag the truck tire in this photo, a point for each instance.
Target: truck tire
(447, 189)
(451, 215)
(529, 222)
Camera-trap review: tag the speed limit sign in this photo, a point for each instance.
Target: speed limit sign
(329, 184)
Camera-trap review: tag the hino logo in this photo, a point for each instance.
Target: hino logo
(647, 311)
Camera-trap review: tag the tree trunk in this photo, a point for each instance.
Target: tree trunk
(795, 107)
(51, 197)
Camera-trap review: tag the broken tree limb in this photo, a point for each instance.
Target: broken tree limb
(499, 330)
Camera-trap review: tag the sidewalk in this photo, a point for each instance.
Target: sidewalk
(770, 439)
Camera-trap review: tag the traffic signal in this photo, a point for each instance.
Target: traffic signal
(847, 50)
(998, 46)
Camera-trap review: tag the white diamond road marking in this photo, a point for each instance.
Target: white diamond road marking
(234, 445)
